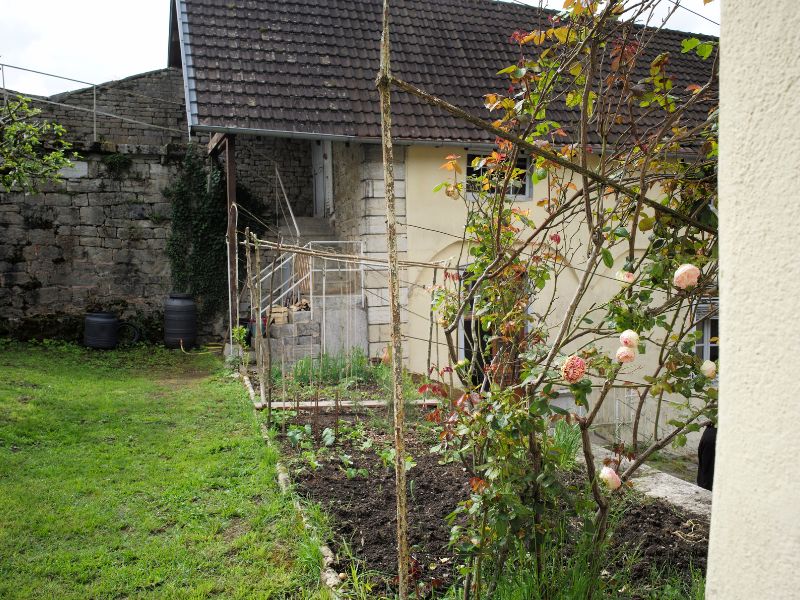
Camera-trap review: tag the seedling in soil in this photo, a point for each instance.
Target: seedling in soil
(387, 458)
(328, 436)
(310, 457)
(349, 470)
(298, 433)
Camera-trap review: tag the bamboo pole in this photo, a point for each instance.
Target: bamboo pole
(384, 86)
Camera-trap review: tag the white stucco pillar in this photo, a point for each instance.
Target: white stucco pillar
(755, 525)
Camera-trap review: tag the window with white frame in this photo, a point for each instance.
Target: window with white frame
(707, 345)
(520, 189)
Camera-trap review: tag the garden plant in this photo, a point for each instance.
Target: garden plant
(630, 206)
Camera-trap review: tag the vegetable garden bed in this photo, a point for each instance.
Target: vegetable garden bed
(348, 469)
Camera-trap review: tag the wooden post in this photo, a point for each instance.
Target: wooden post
(233, 259)
(384, 86)
(259, 334)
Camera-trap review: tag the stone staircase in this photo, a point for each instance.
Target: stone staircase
(301, 336)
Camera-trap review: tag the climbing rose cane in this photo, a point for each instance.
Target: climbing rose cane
(709, 369)
(573, 369)
(686, 276)
(625, 354)
(610, 478)
(629, 338)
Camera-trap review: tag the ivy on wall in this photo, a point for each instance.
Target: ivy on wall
(196, 247)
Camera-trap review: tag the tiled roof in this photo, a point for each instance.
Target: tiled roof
(309, 67)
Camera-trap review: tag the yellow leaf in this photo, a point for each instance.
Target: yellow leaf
(490, 101)
(560, 33)
(537, 37)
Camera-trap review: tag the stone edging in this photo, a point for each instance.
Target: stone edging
(663, 486)
(328, 576)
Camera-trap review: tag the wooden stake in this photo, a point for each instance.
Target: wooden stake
(269, 334)
(283, 381)
(384, 86)
(259, 342)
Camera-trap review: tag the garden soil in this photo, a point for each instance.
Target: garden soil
(362, 508)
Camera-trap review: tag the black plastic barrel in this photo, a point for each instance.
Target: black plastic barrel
(101, 330)
(180, 321)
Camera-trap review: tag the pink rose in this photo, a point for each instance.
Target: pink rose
(555, 238)
(626, 277)
(686, 276)
(573, 369)
(629, 338)
(709, 369)
(610, 478)
(625, 354)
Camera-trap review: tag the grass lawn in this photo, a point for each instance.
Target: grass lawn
(139, 473)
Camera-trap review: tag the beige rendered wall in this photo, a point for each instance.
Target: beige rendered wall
(755, 522)
(436, 211)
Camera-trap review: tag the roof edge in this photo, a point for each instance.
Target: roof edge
(182, 23)
(306, 135)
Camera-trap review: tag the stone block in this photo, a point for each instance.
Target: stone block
(300, 316)
(85, 230)
(92, 215)
(376, 207)
(311, 328)
(60, 200)
(374, 188)
(285, 330)
(78, 169)
(90, 241)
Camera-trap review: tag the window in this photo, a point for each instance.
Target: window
(518, 190)
(707, 345)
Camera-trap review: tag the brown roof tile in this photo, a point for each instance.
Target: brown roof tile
(309, 67)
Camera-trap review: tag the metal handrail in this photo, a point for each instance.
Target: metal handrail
(298, 277)
(288, 204)
(280, 262)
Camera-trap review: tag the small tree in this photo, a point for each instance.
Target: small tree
(32, 150)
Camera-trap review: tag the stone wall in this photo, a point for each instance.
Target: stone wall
(97, 239)
(155, 98)
(360, 214)
(256, 158)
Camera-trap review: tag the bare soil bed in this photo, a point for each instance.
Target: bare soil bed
(358, 494)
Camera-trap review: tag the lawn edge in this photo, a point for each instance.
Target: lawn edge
(327, 576)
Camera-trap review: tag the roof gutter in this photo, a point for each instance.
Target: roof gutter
(187, 64)
(303, 135)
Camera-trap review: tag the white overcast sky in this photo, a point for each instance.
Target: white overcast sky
(101, 40)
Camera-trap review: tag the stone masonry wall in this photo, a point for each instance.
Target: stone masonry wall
(155, 98)
(347, 190)
(256, 157)
(97, 239)
(360, 213)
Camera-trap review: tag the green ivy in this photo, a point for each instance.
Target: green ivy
(196, 247)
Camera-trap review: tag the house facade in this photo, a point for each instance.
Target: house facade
(305, 71)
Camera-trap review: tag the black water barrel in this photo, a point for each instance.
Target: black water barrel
(180, 321)
(101, 330)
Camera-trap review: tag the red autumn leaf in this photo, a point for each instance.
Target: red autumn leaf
(477, 484)
(435, 416)
(434, 388)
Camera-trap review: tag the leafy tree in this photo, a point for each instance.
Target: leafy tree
(31, 149)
